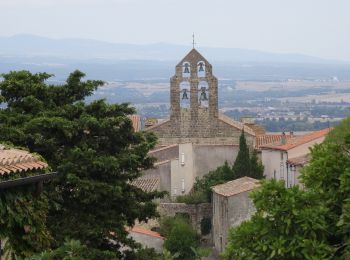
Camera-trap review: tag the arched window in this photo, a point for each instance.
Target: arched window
(185, 94)
(203, 94)
(186, 69)
(201, 69)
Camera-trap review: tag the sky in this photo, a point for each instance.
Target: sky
(319, 28)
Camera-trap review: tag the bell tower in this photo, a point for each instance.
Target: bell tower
(194, 96)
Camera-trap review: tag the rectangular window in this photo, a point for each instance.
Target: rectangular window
(182, 159)
(183, 185)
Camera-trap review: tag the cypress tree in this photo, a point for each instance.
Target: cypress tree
(241, 167)
(256, 167)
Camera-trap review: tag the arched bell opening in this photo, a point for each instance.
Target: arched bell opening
(203, 94)
(185, 95)
(186, 69)
(201, 69)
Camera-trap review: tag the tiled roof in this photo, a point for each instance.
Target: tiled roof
(235, 124)
(300, 160)
(146, 184)
(159, 149)
(14, 160)
(145, 232)
(262, 140)
(236, 186)
(298, 140)
(136, 122)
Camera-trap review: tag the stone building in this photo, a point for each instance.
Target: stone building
(196, 138)
(231, 205)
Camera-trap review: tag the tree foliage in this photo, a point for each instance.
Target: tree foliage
(181, 238)
(312, 223)
(94, 149)
(246, 164)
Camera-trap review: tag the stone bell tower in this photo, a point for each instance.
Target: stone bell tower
(194, 97)
(194, 115)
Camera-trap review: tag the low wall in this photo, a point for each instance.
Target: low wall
(196, 212)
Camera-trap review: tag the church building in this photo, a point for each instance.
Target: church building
(196, 138)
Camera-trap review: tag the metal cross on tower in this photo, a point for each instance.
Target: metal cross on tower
(193, 42)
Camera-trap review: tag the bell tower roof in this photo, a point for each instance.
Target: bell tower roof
(193, 57)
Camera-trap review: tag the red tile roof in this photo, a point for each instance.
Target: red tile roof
(145, 232)
(262, 140)
(235, 187)
(136, 122)
(14, 160)
(297, 140)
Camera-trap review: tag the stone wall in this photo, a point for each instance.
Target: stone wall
(229, 212)
(196, 212)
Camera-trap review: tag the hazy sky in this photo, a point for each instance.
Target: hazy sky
(315, 27)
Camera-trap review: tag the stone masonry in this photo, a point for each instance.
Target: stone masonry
(197, 123)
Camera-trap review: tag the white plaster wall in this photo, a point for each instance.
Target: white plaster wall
(210, 157)
(304, 149)
(181, 172)
(274, 166)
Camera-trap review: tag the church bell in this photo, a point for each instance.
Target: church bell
(186, 70)
(201, 67)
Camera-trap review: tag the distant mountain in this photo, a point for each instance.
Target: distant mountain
(36, 46)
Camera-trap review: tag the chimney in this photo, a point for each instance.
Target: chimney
(283, 138)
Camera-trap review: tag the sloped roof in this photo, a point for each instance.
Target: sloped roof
(262, 140)
(297, 140)
(146, 184)
(235, 187)
(236, 124)
(145, 232)
(193, 56)
(15, 160)
(300, 160)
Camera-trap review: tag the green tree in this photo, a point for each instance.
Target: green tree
(288, 224)
(73, 250)
(181, 239)
(94, 149)
(241, 167)
(312, 223)
(256, 167)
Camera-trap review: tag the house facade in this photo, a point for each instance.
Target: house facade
(277, 157)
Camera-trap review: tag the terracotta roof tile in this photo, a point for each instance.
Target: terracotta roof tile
(297, 140)
(236, 186)
(146, 184)
(145, 232)
(14, 160)
(262, 140)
